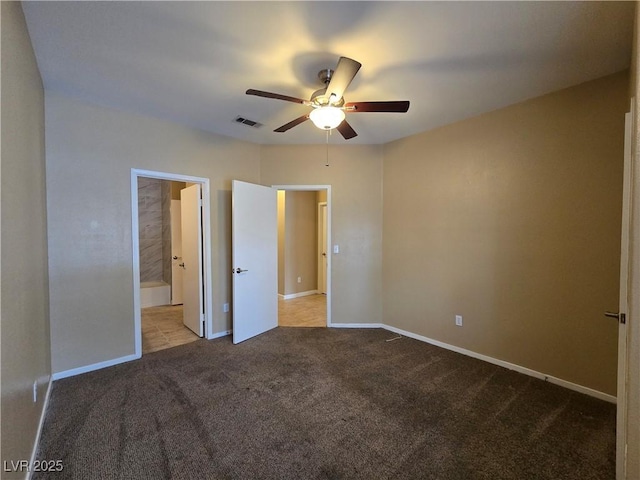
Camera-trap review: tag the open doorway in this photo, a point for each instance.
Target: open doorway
(171, 272)
(303, 256)
(162, 265)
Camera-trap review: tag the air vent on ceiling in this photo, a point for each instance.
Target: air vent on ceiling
(246, 121)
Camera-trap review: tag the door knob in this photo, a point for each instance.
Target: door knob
(621, 317)
(175, 257)
(181, 265)
(240, 270)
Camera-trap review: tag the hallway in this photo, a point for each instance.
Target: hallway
(308, 311)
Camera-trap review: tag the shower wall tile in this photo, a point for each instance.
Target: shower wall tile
(150, 229)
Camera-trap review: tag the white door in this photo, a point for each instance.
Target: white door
(254, 233)
(192, 292)
(322, 248)
(176, 253)
(622, 408)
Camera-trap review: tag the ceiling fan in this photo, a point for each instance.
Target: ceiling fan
(328, 103)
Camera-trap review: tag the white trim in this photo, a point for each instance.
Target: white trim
(298, 295)
(622, 413)
(207, 258)
(95, 366)
(316, 188)
(135, 245)
(511, 366)
(220, 334)
(357, 325)
(206, 248)
(323, 247)
(43, 413)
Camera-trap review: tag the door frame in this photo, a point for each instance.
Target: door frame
(176, 270)
(206, 249)
(317, 188)
(622, 413)
(322, 227)
(632, 359)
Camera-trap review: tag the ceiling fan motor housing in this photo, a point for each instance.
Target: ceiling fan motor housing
(325, 75)
(319, 99)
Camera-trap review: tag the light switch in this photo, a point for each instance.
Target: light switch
(336, 249)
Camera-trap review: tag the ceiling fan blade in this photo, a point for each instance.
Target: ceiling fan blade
(394, 107)
(277, 96)
(346, 130)
(292, 123)
(342, 77)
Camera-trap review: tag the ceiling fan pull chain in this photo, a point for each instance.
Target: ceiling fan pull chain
(327, 163)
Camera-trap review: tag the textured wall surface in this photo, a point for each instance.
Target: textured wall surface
(90, 152)
(512, 220)
(26, 354)
(301, 242)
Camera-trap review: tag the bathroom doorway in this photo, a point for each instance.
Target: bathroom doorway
(171, 246)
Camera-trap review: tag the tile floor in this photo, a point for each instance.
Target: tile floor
(309, 311)
(162, 328)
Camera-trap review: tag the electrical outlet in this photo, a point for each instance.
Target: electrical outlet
(225, 308)
(299, 279)
(459, 320)
(35, 391)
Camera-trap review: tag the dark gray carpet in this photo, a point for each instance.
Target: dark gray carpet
(306, 403)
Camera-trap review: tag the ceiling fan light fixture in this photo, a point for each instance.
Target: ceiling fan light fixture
(327, 118)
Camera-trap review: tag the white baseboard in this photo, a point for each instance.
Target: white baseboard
(110, 363)
(297, 295)
(95, 366)
(356, 325)
(40, 424)
(224, 333)
(511, 366)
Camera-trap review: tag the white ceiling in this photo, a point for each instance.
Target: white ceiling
(191, 62)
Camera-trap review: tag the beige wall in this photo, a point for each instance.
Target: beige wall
(355, 176)
(175, 189)
(633, 461)
(512, 219)
(24, 297)
(301, 242)
(90, 153)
